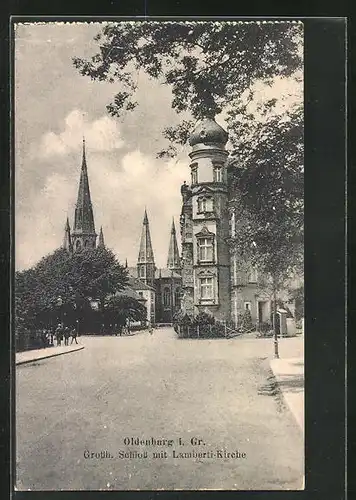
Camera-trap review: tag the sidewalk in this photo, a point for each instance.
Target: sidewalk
(46, 352)
(289, 375)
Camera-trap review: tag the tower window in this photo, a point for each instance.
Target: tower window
(252, 276)
(218, 174)
(77, 245)
(206, 249)
(205, 204)
(141, 272)
(194, 173)
(247, 306)
(167, 297)
(206, 288)
(177, 298)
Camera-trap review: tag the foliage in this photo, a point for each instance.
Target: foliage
(203, 319)
(208, 65)
(120, 308)
(244, 320)
(62, 286)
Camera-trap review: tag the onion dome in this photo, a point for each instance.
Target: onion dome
(207, 131)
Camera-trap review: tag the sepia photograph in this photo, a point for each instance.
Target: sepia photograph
(159, 242)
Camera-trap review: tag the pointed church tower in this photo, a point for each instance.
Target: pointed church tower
(146, 263)
(67, 241)
(101, 243)
(84, 229)
(173, 260)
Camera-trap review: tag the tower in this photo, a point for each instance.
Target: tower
(173, 260)
(146, 263)
(83, 235)
(205, 226)
(101, 243)
(67, 241)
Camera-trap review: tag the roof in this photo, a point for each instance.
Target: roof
(136, 284)
(166, 273)
(130, 292)
(208, 131)
(159, 273)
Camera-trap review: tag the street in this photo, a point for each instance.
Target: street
(75, 413)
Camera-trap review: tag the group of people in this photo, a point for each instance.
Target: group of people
(60, 333)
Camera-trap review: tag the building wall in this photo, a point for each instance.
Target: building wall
(167, 302)
(149, 295)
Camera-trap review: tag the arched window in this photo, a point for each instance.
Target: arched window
(78, 245)
(177, 298)
(86, 243)
(167, 297)
(205, 204)
(194, 172)
(253, 275)
(218, 174)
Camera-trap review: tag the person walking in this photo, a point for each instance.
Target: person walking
(74, 336)
(59, 334)
(150, 328)
(66, 335)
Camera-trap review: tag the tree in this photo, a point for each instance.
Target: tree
(63, 285)
(213, 67)
(208, 65)
(120, 308)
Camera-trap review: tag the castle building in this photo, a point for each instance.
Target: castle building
(208, 276)
(214, 279)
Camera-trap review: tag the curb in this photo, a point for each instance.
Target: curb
(48, 356)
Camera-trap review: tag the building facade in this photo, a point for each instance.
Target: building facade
(208, 276)
(214, 279)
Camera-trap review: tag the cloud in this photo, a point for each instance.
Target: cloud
(103, 134)
(40, 230)
(121, 188)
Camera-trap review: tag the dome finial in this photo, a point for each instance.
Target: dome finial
(207, 131)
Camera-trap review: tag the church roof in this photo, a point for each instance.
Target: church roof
(146, 251)
(159, 273)
(84, 218)
(166, 273)
(173, 260)
(130, 292)
(136, 284)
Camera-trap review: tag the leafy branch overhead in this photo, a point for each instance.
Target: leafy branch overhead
(213, 67)
(206, 64)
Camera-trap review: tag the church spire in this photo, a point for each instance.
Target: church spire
(67, 242)
(173, 260)
(146, 252)
(101, 243)
(146, 263)
(84, 229)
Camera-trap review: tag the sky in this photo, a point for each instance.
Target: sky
(54, 107)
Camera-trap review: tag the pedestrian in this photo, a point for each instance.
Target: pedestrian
(59, 334)
(51, 335)
(150, 329)
(66, 335)
(74, 336)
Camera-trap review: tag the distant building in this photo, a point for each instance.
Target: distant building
(166, 282)
(208, 276)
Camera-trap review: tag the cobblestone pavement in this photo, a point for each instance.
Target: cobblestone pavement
(155, 387)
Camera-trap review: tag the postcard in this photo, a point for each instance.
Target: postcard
(159, 285)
